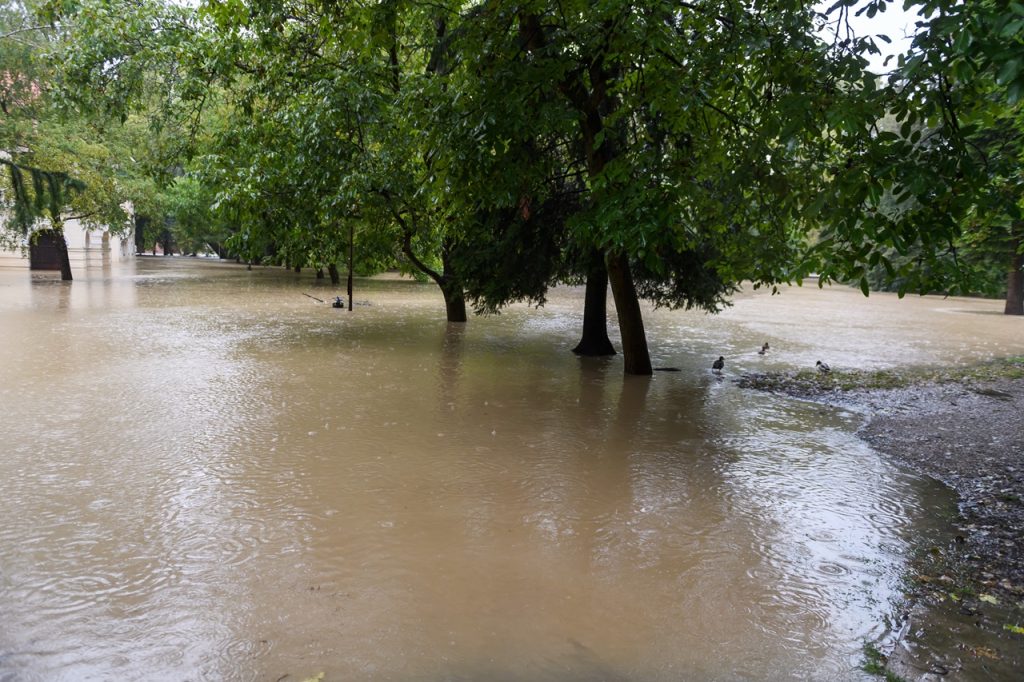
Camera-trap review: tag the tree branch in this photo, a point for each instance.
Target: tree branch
(26, 29)
(407, 233)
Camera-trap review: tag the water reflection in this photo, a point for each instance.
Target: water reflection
(210, 474)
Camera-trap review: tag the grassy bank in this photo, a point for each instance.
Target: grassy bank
(811, 383)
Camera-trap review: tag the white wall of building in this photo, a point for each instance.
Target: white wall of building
(85, 247)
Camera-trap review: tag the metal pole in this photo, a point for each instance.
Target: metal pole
(351, 250)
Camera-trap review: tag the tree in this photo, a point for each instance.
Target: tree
(330, 108)
(676, 150)
(966, 71)
(699, 136)
(60, 166)
(951, 161)
(33, 192)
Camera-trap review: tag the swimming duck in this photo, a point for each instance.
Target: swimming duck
(822, 367)
(764, 349)
(718, 364)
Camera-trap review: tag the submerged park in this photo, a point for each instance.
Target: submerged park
(507, 451)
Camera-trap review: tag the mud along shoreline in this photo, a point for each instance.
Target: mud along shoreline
(963, 617)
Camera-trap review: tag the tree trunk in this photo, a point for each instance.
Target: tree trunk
(332, 270)
(298, 269)
(454, 301)
(319, 273)
(451, 287)
(140, 233)
(1015, 282)
(595, 105)
(595, 341)
(637, 358)
(65, 260)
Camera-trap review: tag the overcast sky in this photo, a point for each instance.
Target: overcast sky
(894, 22)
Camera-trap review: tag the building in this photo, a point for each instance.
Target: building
(86, 247)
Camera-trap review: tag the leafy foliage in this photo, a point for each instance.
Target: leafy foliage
(949, 157)
(497, 147)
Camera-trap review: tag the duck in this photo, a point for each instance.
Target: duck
(718, 364)
(822, 367)
(764, 349)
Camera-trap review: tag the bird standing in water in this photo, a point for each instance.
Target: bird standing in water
(822, 367)
(764, 349)
(717, 365)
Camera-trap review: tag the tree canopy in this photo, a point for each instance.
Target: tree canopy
(673, 150)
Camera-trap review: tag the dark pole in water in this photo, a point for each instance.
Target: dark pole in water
(351, 249)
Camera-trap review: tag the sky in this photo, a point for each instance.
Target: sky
(894, 22)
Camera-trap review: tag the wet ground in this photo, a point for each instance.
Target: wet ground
(965, 598)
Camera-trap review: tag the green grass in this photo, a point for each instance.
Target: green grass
(813, 382)
(874, 664)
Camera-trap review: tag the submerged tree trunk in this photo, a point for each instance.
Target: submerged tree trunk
(595, 106)
(451, 287)
(141, 222)
(595, 341)
(1015, 282)
(454, 300)
(62, 252)
(636, 357)
(319, 273)
(332, 270)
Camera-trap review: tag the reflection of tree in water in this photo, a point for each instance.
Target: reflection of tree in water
(450, 362)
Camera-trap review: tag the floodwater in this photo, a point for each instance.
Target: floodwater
(207, 474)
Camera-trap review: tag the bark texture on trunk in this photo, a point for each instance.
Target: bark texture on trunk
(332, 270)
(595, 341)
(636, 356)
(65, 260)
(454, 302)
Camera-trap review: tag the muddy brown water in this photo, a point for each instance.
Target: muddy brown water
(206, 474)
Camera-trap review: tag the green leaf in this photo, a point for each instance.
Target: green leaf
(1009, 71)
(815, 206)
(1014, 92)
(1012, 28)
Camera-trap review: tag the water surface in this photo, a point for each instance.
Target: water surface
(207, 474)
